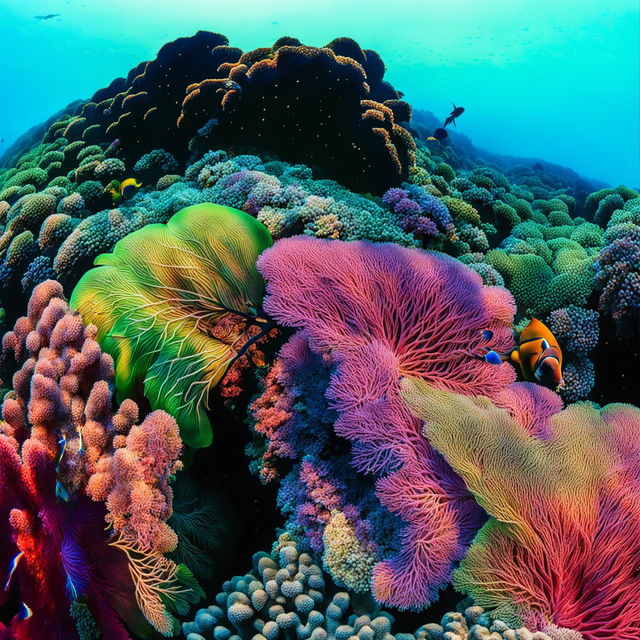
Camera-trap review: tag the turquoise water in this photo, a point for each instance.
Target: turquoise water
(539, 78)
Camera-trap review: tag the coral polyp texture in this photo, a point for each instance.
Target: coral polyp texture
(326, 106)
(551, 552)
(618, 268)
(176, 305)
(70, 466)
(376, 313)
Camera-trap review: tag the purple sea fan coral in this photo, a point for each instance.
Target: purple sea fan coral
(381, 312)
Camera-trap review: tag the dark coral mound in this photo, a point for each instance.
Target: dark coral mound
(329, 107)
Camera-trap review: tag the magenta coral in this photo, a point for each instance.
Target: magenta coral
(381, 312)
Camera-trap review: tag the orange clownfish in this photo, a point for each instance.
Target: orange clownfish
(124, 189)
(539, 355)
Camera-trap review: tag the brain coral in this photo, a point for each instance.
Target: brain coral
(176, 305)
(562, 489)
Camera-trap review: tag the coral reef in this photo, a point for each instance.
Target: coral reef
(548, 267)
(328, 106)
(69, 463)
(370, 389)
(552, 552)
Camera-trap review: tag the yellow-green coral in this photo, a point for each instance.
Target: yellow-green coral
(349, 564)
(561, 543)
(159, 300)
(461, 211)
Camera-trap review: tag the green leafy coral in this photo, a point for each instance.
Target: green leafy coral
(175, 305)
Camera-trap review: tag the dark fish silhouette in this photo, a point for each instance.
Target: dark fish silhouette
(457, 111)
(439, 134)
(46, 17)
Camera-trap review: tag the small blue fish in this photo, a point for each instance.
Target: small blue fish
(62, 445)
(493, 357)
(13, 565)
(487, 334)
(24, 612)
(61, 492)
(81, 443)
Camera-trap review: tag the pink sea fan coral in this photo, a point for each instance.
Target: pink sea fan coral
(381, 312)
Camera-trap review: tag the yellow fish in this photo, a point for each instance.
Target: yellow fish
(125, 189)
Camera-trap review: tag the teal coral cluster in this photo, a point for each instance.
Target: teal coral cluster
(286, 594)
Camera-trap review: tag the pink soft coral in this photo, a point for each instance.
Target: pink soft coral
(58, 431)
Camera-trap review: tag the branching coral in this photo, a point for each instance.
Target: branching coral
(63, 451)
(561, 487)
(162, 301)
(379, 312)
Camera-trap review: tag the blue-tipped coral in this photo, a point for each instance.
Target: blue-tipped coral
(286, 596)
